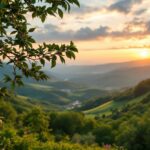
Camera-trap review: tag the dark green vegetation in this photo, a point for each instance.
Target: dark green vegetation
(121, 122)
(117, 100)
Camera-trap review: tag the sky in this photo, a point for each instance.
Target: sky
(104, 31)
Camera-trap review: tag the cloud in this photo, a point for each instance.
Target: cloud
(84, 9)
(148, 27)
(119, 47)
(140, 12)
(51, 32)
(137, 24)
(49, 27)
(87, 33)
(123, 6)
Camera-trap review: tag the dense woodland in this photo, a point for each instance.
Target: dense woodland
(34, 128)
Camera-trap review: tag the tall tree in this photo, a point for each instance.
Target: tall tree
(16, 43)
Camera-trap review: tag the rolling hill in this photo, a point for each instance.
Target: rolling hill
(119, 101)
(53, 91)
(58, 93)
(68, 84)
(112, 105)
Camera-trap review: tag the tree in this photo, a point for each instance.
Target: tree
(36, 120)
(67, 123)
(7, 112)
(16, 43)
(104, 135)
(134, 134)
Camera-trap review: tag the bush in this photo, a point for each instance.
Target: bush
(104, 135)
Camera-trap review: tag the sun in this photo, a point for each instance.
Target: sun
(144, 54)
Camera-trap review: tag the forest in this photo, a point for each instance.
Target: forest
(34, 128)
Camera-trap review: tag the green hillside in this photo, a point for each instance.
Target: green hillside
(34, 125)
(22, 103)
(108, 107)
(58, 92)
(119, 100)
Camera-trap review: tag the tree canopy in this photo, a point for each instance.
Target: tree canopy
(16, 42)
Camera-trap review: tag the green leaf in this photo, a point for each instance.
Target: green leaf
(76, 2)
(53, 63)
(60, 12)
(68, 54)
(7, 78)
(13, 32)
(47, 58)
(31, 29)
(62, 59)
(43, 17)
(50, 12)
(42, 61)
(2, 5)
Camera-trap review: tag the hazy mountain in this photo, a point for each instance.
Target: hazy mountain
(71, 83)
(68, 72)
(119, 78)
(53, 91)
(108, 76)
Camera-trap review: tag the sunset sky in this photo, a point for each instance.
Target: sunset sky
(103, 30)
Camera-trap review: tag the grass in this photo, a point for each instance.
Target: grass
(41, 87)
(108, 106)
(26, 103)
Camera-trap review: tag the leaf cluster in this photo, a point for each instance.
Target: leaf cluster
(17, 45)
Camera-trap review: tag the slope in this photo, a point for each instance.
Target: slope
(121, 100)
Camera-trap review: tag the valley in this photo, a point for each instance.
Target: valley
(80, 84)
(81, 111)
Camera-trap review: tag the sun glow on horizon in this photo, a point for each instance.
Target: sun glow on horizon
(144, 54)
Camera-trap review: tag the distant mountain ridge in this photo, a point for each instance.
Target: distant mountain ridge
(71, 83)
(101, 68)
(106, 76)
(119, 78)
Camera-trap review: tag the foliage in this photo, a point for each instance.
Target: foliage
(17, 44)
(7, 111)
(67, 123)
(103, 135)
(87, 139)
(142, 88)
(124, 95)
(92, 103)
(125, 129)
(36, 121)
(130, 130)
(134, 134)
